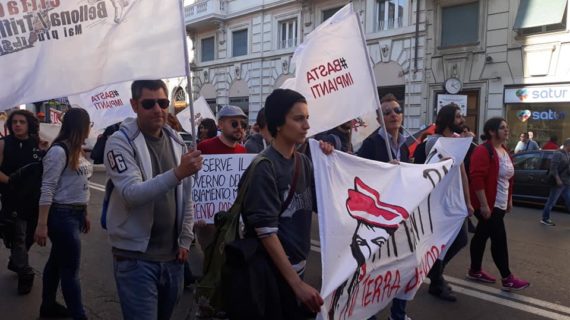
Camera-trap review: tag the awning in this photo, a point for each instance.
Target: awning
(536, 13)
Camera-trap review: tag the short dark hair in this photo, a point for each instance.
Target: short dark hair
(277, 105)
(33, 123)
(388, 97)
(492, 124)
(445, 117)
(260, 120)
(139, 85)
(554, 138)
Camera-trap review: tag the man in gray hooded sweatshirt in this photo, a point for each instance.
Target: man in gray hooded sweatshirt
(150, 211)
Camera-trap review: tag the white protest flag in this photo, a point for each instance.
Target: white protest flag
(106, 105)
(382, 226)
(60, 48)
(332, 71)
(201, 111)
(215, 187)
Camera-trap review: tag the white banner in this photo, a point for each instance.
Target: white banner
(60, 48)
(215, 187)
(106, 105)
(383, 226)
(201, 111)
(332, 72)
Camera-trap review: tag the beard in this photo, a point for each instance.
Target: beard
(234, 137)
(457, 128)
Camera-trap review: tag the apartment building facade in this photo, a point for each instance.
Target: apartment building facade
(503, 58)
(243, 49)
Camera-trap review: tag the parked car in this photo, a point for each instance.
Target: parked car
(531, 180)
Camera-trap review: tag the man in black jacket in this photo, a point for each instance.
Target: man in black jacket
(20, 180)
(374, 148)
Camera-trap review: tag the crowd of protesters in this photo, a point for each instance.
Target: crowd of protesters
(149, 210)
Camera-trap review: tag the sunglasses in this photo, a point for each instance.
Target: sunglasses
(235, 124)
(148, 104)
(396, 110)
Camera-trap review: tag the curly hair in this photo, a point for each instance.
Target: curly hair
(33, 123)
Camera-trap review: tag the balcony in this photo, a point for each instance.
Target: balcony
(203, 11)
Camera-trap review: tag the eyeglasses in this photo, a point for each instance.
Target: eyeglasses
(396, 110)
(236, 123)
(148, 104)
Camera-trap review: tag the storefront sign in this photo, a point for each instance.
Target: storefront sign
(458, 99)
(538, 94)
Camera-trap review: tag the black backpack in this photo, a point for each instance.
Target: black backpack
(97, 153)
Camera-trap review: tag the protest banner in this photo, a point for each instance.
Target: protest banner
(106, 105)
(202, 111)
(332, 71)
(383, 226)
(60, 48)
(215, 187)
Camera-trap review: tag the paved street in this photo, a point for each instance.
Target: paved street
(538, 253)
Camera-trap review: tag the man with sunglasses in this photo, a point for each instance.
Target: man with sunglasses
(374, 148)
(232, 123)
(150, 210)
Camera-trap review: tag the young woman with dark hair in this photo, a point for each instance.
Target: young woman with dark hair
(491, 185)
(63, 215)
(285, 232)
(207, 129)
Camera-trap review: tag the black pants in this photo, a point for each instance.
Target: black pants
(436, 272)
(493, 228)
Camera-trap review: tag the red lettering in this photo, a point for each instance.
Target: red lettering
(322, 70)
(337, 66)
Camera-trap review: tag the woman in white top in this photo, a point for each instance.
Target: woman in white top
(491, 185)
(63, 215)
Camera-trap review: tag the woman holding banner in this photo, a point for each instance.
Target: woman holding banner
(282, 222)
(63, 215)
(491, 185)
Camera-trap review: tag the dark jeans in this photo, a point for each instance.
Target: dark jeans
(436, 272)
(64, 226)
(23, 240)
(493, 228)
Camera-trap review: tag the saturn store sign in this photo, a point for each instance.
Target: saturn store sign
(538, 94)
(544, 110)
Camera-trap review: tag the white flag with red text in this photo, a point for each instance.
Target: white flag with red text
(106, 105)
(333, 73)
(59, 48)
(382, 226)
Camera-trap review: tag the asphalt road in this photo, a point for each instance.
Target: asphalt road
(538, 253)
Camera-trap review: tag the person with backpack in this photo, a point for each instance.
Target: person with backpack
(150, 213)
(63, 215)
(21, 153)
(98, 151)
(491, 187)
(278, 211)
(560, 171)
(449, 123)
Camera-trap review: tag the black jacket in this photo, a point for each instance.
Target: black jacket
(374, 148)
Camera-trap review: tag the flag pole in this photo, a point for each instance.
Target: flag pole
(373, 79)
(188, 77)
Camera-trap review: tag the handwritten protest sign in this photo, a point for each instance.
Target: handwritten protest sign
(216, 186)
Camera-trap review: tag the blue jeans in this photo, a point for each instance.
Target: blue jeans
(148, 290)
(555, 193)
(398, 310)
(64, 226)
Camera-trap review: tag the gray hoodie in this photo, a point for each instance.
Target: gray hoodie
(130, 212)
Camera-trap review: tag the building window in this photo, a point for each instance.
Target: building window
(288, 34)
(390, 14)
(329, 13)
(208, 49)
(239, 43)
(242, 102)
(460, 25)
(540, 16)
